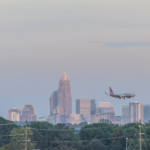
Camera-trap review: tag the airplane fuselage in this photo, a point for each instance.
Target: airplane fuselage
(122, 96)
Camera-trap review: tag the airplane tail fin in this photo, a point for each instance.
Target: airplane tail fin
(111, 91)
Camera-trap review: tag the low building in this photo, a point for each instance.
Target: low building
(76, 119)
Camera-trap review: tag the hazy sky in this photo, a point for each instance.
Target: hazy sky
(98, 43)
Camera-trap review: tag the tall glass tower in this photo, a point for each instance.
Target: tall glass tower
(64, 95)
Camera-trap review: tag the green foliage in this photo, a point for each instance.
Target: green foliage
(2, 148)
(98, 136)
(49, 136)
(92, 145)
(118, 138)
(131, 131)
(5, 129)
(102, 132)
(42, 134)
(17, 141)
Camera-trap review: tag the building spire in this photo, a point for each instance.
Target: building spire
(64, 77)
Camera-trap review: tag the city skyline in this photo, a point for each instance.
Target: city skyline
(86, 109)
(112, 100)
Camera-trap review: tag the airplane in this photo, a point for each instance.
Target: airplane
(124, 96)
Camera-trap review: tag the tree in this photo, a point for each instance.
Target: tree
(100, 131)
(17, 141)
(119, 141)
(5, 128)
(131, 131)
(52, 137)
(42, 134)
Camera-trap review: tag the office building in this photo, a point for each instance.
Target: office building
(136, 112)
(60, 100)
(64, 95)
(106, 112)
(125, 119)
(146, 113)
(28, 113)
(76, 119)
(86, 107)
(104, 106)
(14, 114)
(53, 102)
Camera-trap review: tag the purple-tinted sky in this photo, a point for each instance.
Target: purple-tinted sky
(98, 43)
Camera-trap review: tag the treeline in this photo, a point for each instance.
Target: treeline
(99, 136)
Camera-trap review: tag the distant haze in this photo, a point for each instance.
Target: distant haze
(98, 43)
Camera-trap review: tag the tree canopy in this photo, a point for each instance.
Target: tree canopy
(98, 136)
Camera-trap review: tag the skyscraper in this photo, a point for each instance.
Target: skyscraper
(135, 112)
(64, 95)
(14, 114)
(28, 113)
(53, 102)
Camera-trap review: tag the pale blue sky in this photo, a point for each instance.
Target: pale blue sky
(98, 43)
